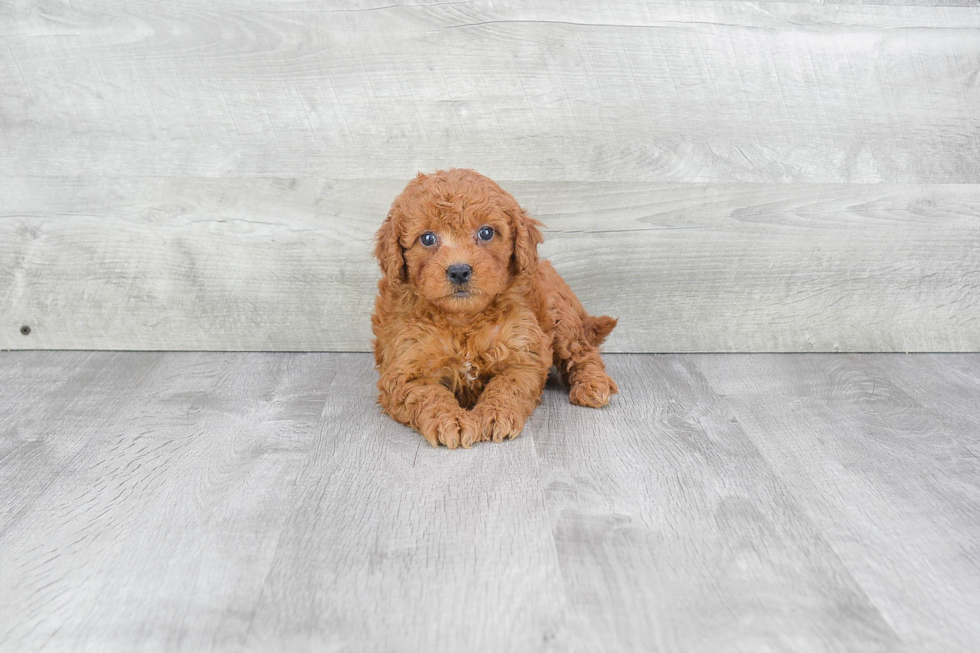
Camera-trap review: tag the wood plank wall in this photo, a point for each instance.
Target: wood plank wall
(722, 175)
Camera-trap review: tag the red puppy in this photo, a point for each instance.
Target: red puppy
(468, 321)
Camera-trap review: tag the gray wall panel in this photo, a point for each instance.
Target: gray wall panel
(723, 176)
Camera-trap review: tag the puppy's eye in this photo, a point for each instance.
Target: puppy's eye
(428, 239)
(485, 233)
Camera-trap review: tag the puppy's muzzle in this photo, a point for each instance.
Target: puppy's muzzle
(459, 274)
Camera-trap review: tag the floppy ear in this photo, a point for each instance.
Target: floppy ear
(388, 251)
(527, 237)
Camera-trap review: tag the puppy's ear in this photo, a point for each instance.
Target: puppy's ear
(388, 251)
(527, 237)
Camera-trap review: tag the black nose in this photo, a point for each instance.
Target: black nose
(459, 273)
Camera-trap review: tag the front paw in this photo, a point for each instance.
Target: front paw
(497, 424)
(592, 391)
(454, 429)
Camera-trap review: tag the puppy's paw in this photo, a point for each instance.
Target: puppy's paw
(454, 429)
(496, 425)
(592, 391)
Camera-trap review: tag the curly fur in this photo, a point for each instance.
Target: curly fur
(468, 363)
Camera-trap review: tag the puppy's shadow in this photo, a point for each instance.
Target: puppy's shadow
(554, 387)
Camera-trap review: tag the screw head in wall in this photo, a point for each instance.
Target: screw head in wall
(25, 330)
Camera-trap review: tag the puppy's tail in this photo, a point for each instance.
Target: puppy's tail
(597, 328)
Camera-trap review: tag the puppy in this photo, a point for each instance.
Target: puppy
(468, 321)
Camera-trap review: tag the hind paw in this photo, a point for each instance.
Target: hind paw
(593, 391)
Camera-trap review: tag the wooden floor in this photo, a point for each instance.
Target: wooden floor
(261, 502)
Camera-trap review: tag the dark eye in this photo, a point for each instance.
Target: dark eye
(485, 233)
(428, 239)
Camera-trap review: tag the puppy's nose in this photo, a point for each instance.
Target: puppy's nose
(459, 273)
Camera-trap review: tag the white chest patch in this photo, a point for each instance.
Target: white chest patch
(468, 372)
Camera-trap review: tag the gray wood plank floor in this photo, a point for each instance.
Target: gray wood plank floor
(246, 501)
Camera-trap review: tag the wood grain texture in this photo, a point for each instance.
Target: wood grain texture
(261, 502)
(146, 491)
(666, 481)
(285, 264)
(723, 176)
(393, 545)
(952, 399)
(877, 468)
(188, 264)
(231, 502)
(634, 91)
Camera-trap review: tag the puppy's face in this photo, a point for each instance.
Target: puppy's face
(458, 257)
(457, 239)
